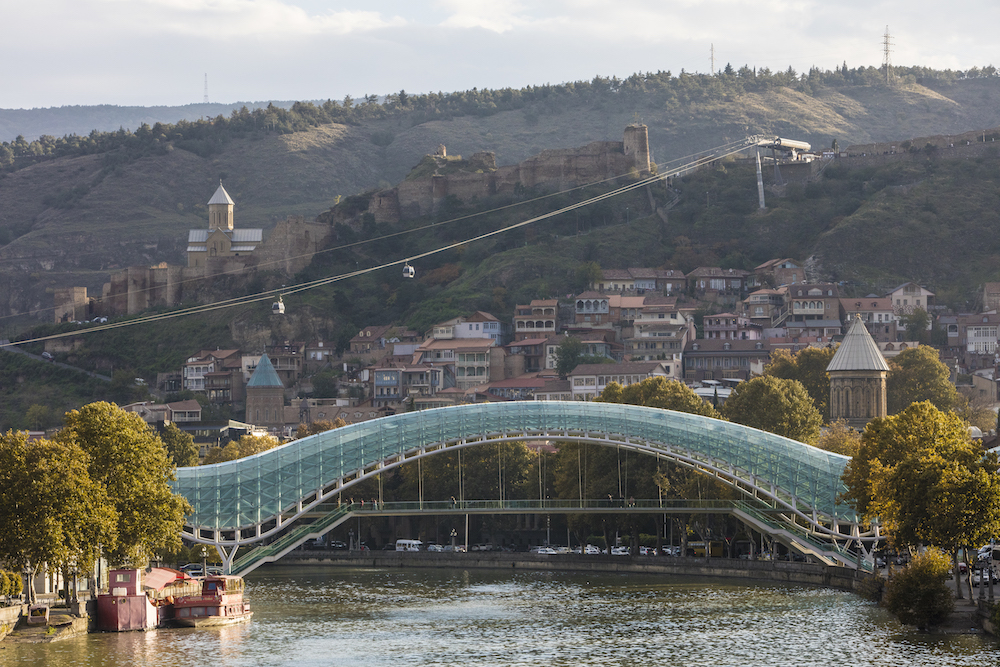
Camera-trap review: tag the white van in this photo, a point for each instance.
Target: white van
(409, 545)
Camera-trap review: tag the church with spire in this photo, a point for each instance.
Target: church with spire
(857, 378)
(221, 241)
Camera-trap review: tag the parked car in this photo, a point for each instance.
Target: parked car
(983, 577)
(591, 550)
(620, 551)
(435, 548)
(47, 356)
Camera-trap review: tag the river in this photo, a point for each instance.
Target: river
(362, 617)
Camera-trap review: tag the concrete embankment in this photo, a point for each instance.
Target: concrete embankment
(811, 574)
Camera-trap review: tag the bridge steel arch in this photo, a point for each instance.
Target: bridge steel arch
(250, 500)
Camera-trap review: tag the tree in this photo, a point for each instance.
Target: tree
(38, 416)
(247, 445)
(918, 594)
(587, 274)
(568, 355)
(916, 322)
(808, 366)
(319, 426)
(180, 446)
(772, 404)
(130, 462)
(51, 510)
(921, 475)
(840, 438)
(917, 374)
(658, 392)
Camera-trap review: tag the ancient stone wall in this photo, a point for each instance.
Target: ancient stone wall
(290, 245)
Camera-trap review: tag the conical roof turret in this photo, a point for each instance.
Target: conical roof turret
(858, 352)
(265, 375)
(221, 197)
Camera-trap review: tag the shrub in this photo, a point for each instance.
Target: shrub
(918, 595)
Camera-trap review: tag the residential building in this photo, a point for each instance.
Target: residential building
(530, 356)
(595, 344)
(319, 353)
(225, 386)
(729, 326)
(710, 282)
(555, 389)
(197, 366)
(876, 312)
(158, 414)
(724, 359)
(766, 307)
(288, 360)
(777, 272)
(474, 361)
(393, 384)
(908, 297)
(640, 281)
(589, 380)
(991, 297)
(539, 319)
(660, 342)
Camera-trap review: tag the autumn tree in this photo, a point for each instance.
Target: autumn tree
(180, 446)
(305, 430)
(51, 510)
(773, 404)
(808, 366)
(917, 374)
(247, 445)
(840, 438)
(921, 475)
(131, 464)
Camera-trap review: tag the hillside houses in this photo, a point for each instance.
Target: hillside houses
(711, 325)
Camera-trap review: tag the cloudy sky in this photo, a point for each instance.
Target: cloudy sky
(157, 52)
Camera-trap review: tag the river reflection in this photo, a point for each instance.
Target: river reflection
(360, 617)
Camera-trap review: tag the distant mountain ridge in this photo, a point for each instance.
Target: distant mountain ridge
(81, 120)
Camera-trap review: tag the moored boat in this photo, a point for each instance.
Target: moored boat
(139, 600)
(219, 603)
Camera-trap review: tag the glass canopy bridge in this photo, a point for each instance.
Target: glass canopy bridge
(280, 498)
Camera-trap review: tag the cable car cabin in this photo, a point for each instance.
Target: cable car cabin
(408, 271)
(278, 307)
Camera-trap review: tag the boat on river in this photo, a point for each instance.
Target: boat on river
(220, 602)
(140, 600)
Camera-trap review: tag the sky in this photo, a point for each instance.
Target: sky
(157, 52)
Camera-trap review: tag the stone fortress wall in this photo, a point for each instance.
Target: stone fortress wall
(479, 177)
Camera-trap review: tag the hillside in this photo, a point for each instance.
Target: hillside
(72, 220)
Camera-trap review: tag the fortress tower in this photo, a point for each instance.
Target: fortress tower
(636, 144)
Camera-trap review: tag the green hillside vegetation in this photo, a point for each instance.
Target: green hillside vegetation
(74, 209)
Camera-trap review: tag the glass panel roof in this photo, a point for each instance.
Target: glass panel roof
(251, 490)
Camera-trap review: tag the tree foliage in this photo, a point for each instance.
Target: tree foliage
(926, 481)
(180, 446)
(247, 445)
(918, 595)
(773, 404)
(808, 366)
(51, 509)
(130, 462)
(840, 438)
(658, 392)
(318, 426)
(917, 374)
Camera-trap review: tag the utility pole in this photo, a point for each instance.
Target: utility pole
(886, 56)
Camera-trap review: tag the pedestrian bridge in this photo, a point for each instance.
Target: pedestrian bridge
(277, 496)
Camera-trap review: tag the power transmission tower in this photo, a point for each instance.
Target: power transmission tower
(206, 87)
(886, 56)
(712, 51)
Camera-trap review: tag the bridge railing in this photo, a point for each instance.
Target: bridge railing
(604, 504)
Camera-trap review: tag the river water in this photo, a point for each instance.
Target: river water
(362, 617)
